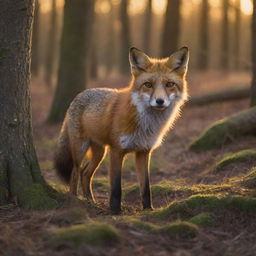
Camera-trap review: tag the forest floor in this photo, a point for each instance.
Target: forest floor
(200, 209)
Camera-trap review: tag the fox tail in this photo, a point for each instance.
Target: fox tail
(63, 161)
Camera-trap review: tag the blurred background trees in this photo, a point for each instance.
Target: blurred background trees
(171, 27)
(216, 31)
(74, 50)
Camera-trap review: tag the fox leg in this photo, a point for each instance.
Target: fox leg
(116, 162)
(142, 168)
(95, 155)
(79, 147)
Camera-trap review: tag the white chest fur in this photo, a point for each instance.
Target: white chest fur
(152, 126)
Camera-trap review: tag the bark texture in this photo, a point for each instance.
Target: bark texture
(35, 40)
(203, 50)
(19, 169)
(171, 29)
(75, 41)
(227, 130)
(253, 86)
(51, 46)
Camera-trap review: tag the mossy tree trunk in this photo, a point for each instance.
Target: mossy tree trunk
(253, 85)
(125, 37)
(171, 29)
(51, 46)
(226, 130)
(147, 26)
(20, 176)
(74, 45)
(203, 51)
(35, 40)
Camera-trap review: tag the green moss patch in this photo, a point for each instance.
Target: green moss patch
(225, 130)
(170, 189)
(160, 189)
(202, 220)
(215, 136)
(101, 183)
(205, 203)
(143, 225)
(239, 157)
(179, 230)
(35, 197)
(92, 234)
(247, 181)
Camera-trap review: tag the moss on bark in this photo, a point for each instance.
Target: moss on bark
(180, 230)
(239, 157)
(202, 220)
(201, 203)
(98, 234)
(35, 197)
(226, 130)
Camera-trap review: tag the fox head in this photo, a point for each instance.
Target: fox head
(158, 83)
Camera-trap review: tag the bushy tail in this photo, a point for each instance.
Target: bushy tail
(63, 162)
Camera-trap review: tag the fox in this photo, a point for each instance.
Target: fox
(134, 119)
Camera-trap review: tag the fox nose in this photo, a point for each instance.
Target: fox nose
(159, 101)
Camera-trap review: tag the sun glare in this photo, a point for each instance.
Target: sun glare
(136, 7)
(246, 6)
(45, 5)
(102, 6)
(159, 6)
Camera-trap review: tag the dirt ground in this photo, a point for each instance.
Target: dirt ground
(30, 233)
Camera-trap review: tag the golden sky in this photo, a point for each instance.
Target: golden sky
(138, 6)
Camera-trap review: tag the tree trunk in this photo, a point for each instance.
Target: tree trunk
(110, 60)
(20, 176)
(171, 29)
(51, 46)
(93, 59)
(218, 96)
(125, 37)
(75, 41)
(147, 26)
(253, 86)
(203, 50)
(93, 67)
(237, 26)
(35, 41)
(226, 130)
(224, 36)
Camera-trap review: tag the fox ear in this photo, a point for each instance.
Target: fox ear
(139, 61)
(178, 61)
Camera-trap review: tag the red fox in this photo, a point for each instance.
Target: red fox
(132, 119)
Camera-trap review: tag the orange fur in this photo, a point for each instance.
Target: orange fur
(133, 119)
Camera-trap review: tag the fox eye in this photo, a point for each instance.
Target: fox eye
(148, 84)
(170, 84)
